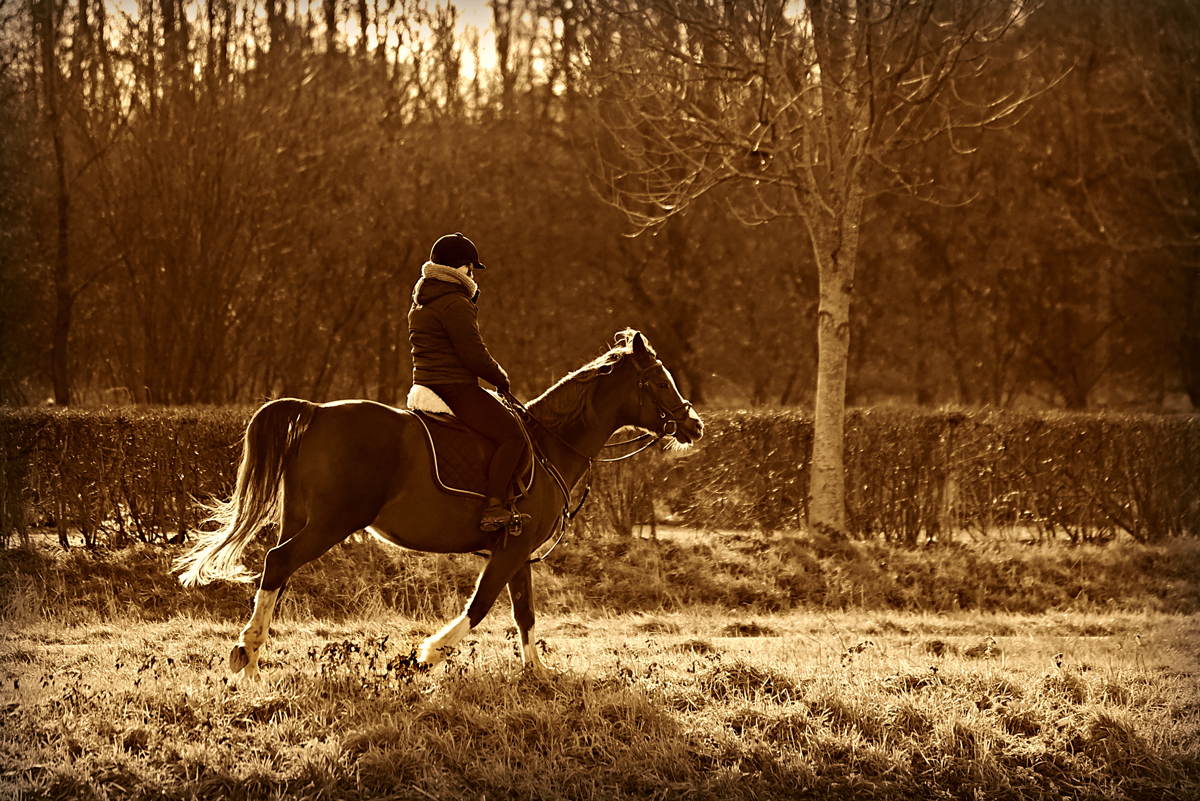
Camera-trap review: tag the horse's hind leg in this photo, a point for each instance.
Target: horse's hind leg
(310, 541)
(244, 656)
(520, 592)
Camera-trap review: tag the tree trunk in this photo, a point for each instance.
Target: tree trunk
(363, 22)
(63, 303)
(330, 9)
(1189, 340)
(63, 297)
(171, 55)
(502, 23)
(388, 374)
(835, 242)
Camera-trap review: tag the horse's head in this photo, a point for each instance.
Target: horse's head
(659, 407)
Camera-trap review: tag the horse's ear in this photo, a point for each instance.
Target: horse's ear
(638, 344)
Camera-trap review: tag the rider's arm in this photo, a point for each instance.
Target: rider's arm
(462, 325)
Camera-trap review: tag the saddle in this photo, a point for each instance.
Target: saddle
(460, 455)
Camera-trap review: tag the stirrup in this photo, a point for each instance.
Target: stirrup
(496, 517)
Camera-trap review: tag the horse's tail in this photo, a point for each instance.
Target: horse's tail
(271, 437)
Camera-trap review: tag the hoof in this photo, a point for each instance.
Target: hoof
(537, 669)
(435, 649)
(238, 659)
(431, 656)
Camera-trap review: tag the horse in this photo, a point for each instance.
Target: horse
(322, 472)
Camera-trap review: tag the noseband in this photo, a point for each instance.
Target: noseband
(670, 417)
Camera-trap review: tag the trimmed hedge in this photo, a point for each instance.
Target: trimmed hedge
(118, 475)
(914, 475)
(136, 474)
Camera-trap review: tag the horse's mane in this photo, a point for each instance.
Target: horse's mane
(571, 400)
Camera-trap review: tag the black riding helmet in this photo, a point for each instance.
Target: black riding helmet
(455, 250)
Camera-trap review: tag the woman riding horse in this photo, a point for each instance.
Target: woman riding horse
(449, 357)
(322, 472)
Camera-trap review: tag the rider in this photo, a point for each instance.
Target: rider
(449, 357)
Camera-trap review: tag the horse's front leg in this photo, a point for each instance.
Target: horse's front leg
(520, 591)
(500, 569)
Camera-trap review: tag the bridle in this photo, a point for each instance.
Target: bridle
(670, 418)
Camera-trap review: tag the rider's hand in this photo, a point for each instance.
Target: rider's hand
(503, 387)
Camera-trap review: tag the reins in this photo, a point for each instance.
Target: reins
(654, 438)
(568, 515)
(523, 415)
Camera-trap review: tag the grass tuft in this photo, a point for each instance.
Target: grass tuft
(751, 629)
(1066, 685)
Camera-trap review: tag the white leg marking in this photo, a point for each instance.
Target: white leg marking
(438, 647)
(255, 633)
(529, 654)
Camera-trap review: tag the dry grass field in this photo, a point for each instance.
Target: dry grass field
(707, 665)
(695, 704)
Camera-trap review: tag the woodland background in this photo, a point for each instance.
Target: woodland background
(220, 201)
(217, 201)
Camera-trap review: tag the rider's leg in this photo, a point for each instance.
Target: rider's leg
(480, 410)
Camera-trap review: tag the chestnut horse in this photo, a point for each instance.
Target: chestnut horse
(325, 471)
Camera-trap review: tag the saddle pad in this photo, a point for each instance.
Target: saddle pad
(424, 399)
(460, 456)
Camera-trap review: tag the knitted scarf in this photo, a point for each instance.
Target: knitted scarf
(440, 272)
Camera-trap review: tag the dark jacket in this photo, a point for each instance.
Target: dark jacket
(443, 327)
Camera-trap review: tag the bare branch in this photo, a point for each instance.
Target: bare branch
(818, 98)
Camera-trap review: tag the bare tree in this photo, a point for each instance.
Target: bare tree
(46, 19)
(22, 284)
(1160, 40)
(808, 108)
